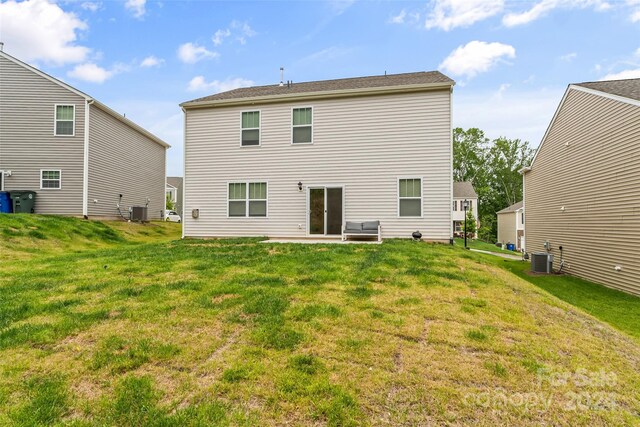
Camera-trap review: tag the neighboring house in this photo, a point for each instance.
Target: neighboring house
(582, 191)
(174, 190)
(463, 191)
(76, 153)
(511, 225)
(299, 159)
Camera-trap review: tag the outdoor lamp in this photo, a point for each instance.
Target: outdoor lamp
(299, 185)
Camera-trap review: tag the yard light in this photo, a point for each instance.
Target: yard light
(466, 206)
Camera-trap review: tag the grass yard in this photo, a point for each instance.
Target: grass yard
(484, 246)
(131, 327)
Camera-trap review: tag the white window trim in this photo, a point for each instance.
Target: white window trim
(51, 170)
(421, 198)
(55, 119)
(246, 200)
(295, 126)
(2, 178)
(259, 128)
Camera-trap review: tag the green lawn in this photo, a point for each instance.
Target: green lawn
(617, 308)
(140, 329)
(478, 244)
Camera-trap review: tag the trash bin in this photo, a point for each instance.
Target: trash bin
(511, 247)
(23, 201)
(5, 202)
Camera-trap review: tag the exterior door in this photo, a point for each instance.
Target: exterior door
(325, 211)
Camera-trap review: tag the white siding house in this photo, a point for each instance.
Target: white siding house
(76, 153)
(463, 191)
(298, 160)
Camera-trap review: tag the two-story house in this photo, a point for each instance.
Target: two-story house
(511, 225)
(463, 191)
(297, 160)
(79, 156)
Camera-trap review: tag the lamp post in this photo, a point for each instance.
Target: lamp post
(466, 206)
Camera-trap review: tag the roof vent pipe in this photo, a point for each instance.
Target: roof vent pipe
(1, 46)
(281, 76)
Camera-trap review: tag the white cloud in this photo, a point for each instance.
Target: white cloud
(340, 6)
(191, 53)
(220, 35)
(449, 14)
(399, 18)
(199, 84)
(36, 30)
(93, 73)
(91, 6)
(151, 61)
(543, 7)
(635, 16)
(626, 74)
(569, 57)
(476, 57)
(325, 55)
(136, 7)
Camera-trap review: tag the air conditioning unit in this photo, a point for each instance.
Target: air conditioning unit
(138, 213)
(542, 262)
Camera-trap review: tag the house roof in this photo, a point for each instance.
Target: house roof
(390, 82)
(628, 88)
(174, 181)
(512, 208)
(464, 190)
(88, 98)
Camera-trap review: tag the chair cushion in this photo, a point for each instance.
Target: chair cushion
(370, 225)
(353, 226)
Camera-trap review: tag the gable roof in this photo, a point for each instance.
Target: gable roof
(174, 181)
(627, 91)
(356, 85)
(464, 189)
(89, 99)
(628, 88)
(512, 208)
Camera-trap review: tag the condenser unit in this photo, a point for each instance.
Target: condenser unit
(138, 213)
(542, 262)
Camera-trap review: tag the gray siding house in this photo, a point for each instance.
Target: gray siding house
(174, 191)
(463, 191)
(298, 160)
(76, 153)
(582, 191)
(511, 225)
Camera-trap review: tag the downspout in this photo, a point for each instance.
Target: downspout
(184, 170)
(451, 240)
(85, 162)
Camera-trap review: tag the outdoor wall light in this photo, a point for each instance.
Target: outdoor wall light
(299, 185)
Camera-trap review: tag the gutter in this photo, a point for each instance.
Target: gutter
(286, 97)
(524, 170)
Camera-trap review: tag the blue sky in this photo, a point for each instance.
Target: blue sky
(511, 60)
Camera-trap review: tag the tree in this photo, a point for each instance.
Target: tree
(169, 205)
(493, 169)
(471, 225)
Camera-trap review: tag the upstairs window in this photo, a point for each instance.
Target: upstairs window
(455, 205)
(247, 199)
(250, 128)
(302, 132)
(410, 197)
(50, 179)
(65, 120)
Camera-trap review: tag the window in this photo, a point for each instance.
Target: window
(455, 205)
(410, 197)
(250, 128)
(302, 126)
(247, 197)
(65, 120)
(471, 205)
(50, 179)
(522, 214)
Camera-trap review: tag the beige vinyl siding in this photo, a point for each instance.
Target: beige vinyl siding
(597, 180)
(123, 161)
(362, 143)
(507, 228)
(27, 141)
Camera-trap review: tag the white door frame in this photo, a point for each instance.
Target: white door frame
(308, 216)
(2, 178)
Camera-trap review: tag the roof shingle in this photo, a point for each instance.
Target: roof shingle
(628, 88)
(388, 80)
(464, 189)
(512, 208)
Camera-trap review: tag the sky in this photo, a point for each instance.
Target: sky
(511, 60)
